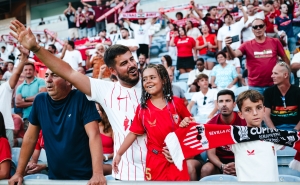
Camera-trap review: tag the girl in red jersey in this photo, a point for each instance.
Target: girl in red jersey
(5, 152)
(158, 114)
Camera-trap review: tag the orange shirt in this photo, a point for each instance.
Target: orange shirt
(96, 63)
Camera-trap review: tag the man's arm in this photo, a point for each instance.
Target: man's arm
(18, 70)
(213, 158)
(29, 141)
(245, 15)
(95, 144)
(88, 5)
(233, 54)
(295, 67)
(190, 106)
(21, 102)
(57, 66)
(220, 45)
(267, 117)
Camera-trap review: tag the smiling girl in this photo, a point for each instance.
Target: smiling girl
(158, 114)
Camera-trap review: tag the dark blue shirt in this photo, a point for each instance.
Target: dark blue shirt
(285, 24)
(65, 138)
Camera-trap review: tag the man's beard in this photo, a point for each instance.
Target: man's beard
(127, 79)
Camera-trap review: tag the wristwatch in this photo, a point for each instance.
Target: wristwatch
(222, 167)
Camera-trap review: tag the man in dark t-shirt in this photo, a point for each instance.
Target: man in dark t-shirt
(71, 135)
(70, 13)
(221, 159)
(282, 101)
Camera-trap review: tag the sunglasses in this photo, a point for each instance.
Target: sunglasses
(283, 101)
(204, 101)
(260, 26)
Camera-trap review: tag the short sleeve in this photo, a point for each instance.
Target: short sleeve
(237, 62)
(296, 58)
(19, 89)
(33, 117)
(98, 89)
(195, 97)
(234, 73)
(268, 98)
(213, 71)
(5, 152)
(242, 48)
(41, 83)
(89, 112)
(137, 126)
(193, 42)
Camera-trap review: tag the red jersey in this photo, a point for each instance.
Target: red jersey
(261, 58)
(210, 38)
(158, 123)
(99, 10)
(224, 153)
(82, 21)
(5, 152)
(40, 142)
(111, 17)
(90, 23)
(209, 21)
(269, 20)
(184, 46)
(107, 144)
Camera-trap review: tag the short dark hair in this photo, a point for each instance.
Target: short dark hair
(210, 8)
(10, 62)
(228, 14)
(29, 64)
(199, 77)
(71, 43)
(112, 52)
(252, 95)
(183, 30)
(200, 60)
(226, 92)
(220, 53)
(168, 60)
(179, 13)
(270, 2)
(3, 47)
(54, 47)
(125, 29)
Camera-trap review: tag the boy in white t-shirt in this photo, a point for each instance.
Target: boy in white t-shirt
(256, 160)
(206, 99)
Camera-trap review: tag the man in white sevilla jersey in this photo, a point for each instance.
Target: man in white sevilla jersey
(119, 99)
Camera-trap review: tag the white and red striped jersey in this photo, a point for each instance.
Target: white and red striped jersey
(120, 104)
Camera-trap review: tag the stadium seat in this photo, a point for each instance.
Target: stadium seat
(36, 176)
(226, 178)
(182, 85)
(155, 61)
(285, 170)
(200, 118)
(183, 77)
(189, 95)
(288, 178)
(239, 90)
(15, 154)
(110, 178)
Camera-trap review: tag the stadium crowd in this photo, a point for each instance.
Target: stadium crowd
(96, 126)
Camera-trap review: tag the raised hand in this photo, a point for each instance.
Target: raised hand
(24, 36)
(24, 53)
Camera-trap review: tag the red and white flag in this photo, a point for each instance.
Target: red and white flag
(141, 15)
(188, 142)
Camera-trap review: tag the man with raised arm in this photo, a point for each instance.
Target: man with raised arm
(119, 100)
(6, 91)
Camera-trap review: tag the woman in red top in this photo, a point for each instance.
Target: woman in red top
(158, 114)
(106, 135)
(5, 152)
(185, 46)
(204, 43)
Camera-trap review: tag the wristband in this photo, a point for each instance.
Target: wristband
(37, 50)
(222, 167)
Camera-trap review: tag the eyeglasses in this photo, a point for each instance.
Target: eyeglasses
(204, 100)
(283, 100)
(260, 26)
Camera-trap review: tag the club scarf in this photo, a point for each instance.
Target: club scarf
(196, 138)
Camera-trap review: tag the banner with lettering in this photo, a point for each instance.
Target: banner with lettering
(182, 22)
(188, 142)
(141, 15)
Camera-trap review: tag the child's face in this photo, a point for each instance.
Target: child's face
(203, 83)
(152, 82)
(252, 112)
